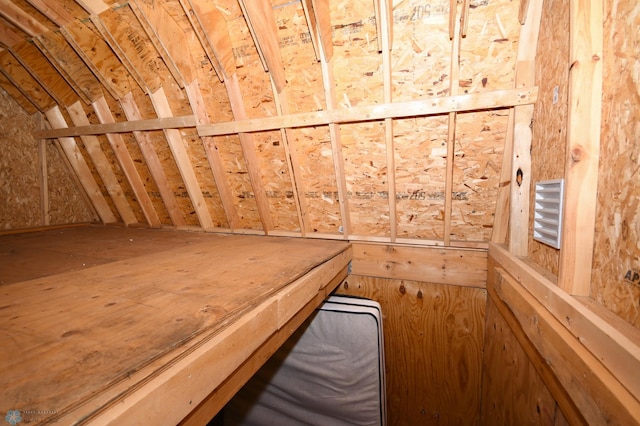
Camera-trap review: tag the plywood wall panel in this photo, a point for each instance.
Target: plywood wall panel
(488, 52)
(513, 393)
(420, 159)
(616, 265)
(433, 348)
(550, 114)
(477, 162)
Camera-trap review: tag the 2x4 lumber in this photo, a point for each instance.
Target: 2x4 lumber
(93, 7)
(420, 108)
(123, 32)
(9, 37)
(53, 10)
(501, 218)
(99, 57)
(79, 166)
(319, 22)
(293, 165)
(21, 19)
(262, 24)
(70, 65)
(328, 82)
(454, 81)
(616, 350)
(44, 182)
(462, 267)
(583, 147)
(17, 94)
(41, 69)
(100, 161)
(384, 34)
(168, 38)
(163, 109)
(134, 125)
(213, 32)
(132, 112)
(249, 151)
(600, 398)
(126, 164)
(24, 81)
(213, 156)
(520, 187)
(522, 11)
(464, 19)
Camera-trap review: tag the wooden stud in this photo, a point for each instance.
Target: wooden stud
(583, 147)
(262, 25)
(249, 152)
(501, 218)
(454, 81)
(126, 164)
(319, 22)
(92, 145)
(80, 168)
(161, 105)
(44, 182)
(521, 165)
(148, 151)
(523, 11)
(464, 19)
(215, 161)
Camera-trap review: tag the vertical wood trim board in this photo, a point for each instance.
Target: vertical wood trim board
(583, 147)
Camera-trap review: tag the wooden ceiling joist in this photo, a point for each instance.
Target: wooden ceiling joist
(101, 163)
(81, 169)
(22, 79)
(98, 56)
(125, 161)
(21, 19)
(262, 24)
(70, 65)
(41, 69)
(132, 113)
(163, 109)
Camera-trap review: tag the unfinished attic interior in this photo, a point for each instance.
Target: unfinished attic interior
(183, 183)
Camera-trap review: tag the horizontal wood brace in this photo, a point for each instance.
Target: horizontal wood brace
(436, 106)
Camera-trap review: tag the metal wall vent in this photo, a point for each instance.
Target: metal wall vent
(547, 221)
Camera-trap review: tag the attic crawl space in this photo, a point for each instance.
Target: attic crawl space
(184, 182)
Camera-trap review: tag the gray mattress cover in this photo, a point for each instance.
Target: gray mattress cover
(330, 372)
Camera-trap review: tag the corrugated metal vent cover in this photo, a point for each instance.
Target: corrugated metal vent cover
(547, 221)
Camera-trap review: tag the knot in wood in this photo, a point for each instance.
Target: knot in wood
(576, 154)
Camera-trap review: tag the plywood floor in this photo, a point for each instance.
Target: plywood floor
(102, 304)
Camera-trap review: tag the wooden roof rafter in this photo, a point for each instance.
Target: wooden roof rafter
(21, 19)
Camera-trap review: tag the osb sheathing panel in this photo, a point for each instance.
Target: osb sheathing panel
(513, 392)
(477, 163)
(20, 182)
(433, 348)
(550, 114)
(616, 265)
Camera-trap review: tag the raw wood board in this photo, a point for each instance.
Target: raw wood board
(70, 337)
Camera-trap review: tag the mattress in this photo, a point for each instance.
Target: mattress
(330, 372)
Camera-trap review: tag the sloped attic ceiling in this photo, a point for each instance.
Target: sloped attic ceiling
(277, 117)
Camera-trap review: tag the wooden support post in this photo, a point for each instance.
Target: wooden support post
(521, 166)
(161, 105)
(132, 113)
(126, 164)
(44, 183)
(82, 171)
(583, 147)
(100, 161)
